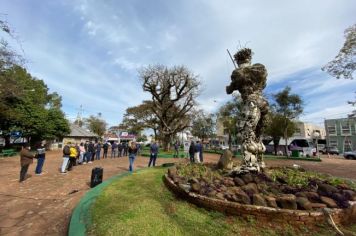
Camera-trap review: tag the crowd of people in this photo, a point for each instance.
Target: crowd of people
(87, 152)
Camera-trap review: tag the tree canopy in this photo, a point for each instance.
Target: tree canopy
(203, 125)
(287, 107)
(344, 64)
(26, 106)
(96, 124)
(173, 92)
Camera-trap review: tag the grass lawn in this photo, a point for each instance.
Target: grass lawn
(140, 204)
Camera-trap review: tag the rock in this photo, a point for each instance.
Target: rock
(326, 189)
(225, 161)
(238, 181)
(258, 200)
(328, 201)
(194, 180)
(220, 196)
(301, 194)
(271, 201)
(303, 203)
(250, 189)
(340, 199)
(228, 182)
(172, 172)
(243, 198)
(211, 193)
(318, 205)
(312, 196)
(185, 187)
(247, 178)
(287, 201)
(196, 187)
(349, 194)
(223, 188)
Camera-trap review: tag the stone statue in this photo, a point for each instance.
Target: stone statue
(250, 80)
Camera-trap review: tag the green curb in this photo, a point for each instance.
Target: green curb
(81, 215)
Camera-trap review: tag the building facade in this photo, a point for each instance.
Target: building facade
(341, 133)
(309, 131)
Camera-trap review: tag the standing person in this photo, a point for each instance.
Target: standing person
(176, 150)
(125, 148)
(81, 154)
(26, 158)
(191, 151)
(197, 152)
(98, 150)
(132, 150)
(105, 148)
(113, 150)
(91, 152)
(72, 157)
(119, 147)
(154, 153)
(78, 153)
(41, 155)
(66, 152)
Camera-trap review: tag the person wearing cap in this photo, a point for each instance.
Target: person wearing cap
(26, 158)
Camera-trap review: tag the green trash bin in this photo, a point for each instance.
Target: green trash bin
(295, 153)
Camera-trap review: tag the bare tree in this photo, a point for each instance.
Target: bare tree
(173, 93)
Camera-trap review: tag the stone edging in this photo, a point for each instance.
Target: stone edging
(294, 217)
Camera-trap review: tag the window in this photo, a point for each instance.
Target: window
(347, 145)
(297, 132)
(345, 129)
(333, 143)
(332, 129)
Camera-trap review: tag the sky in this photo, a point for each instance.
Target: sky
(90, 51)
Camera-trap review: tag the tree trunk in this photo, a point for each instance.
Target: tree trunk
(166, 142)
(286, 143)
(230, 141)
(7, 141)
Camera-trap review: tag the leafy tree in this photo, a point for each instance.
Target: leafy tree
(96, 125)
(203, 125)
(289, 107)
(173, 93)
(8, 57)
(275, 130)
(352, 103)
(344, 64)
(228, 114)
(27, 107)
(140, 117)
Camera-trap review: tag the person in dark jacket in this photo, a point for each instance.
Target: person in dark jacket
(113, 150)
(91, 152)
(191, 151)
(132, 150)
(120, 147)
(26, 158)
(105, 149)
(153, 154)
(98, 150)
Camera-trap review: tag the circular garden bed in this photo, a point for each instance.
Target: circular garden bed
(282, 194)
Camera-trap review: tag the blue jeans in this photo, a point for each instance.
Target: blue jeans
(97, 155)
(113, 153)
(40, 162)
(87, 156)
(131, 160)
(153, 158)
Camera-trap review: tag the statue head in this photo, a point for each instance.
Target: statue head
(243, 56)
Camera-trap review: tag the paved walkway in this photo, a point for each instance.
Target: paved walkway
(42, 205)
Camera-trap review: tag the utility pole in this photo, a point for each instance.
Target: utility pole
(80, 115)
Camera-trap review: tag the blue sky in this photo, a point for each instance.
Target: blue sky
(89, 51)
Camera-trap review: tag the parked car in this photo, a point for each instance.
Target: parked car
(350, 155)
(330, 150)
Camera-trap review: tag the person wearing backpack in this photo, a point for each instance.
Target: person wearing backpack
(72, 157)
(66, 152)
